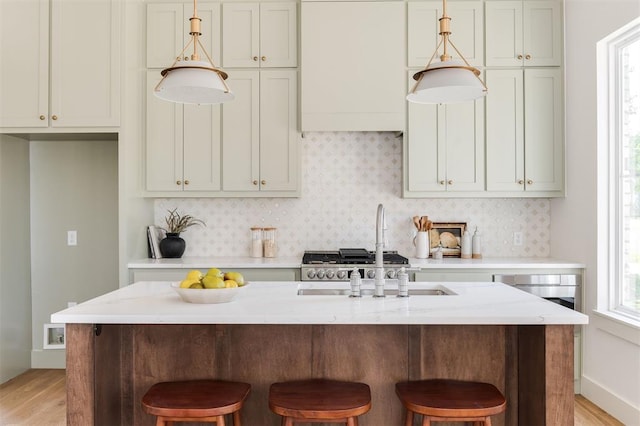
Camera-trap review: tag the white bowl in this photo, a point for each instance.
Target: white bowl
(207, 295)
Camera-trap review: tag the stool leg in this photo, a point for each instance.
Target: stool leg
(409, 418)
(287, 421)
(220, 421)
(426, 420)
(236, 418)
(352, 421)
(487, 421)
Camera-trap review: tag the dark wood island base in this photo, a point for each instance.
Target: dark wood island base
(111, 366)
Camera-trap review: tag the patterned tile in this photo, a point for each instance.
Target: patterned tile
(344, 177)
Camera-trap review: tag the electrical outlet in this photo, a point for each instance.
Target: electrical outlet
(72, 238)
(517, 238)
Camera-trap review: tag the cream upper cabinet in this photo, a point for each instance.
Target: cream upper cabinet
(260, 143)
(525, 149)
(353, 65)
(168, 32)
(258, 35)
(182, 145)
(65, 72)
(523, 33)
(467, 28)
(444, 148)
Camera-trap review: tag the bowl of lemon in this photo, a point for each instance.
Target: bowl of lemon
(213, 287)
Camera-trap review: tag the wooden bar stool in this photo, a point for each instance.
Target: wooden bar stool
(319, 401)
(441, 400)
(195, 401)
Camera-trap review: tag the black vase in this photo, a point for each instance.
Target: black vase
(172, 246)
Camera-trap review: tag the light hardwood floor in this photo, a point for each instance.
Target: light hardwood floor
(37, 398)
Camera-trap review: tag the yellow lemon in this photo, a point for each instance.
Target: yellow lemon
(235, 276)
(196, 285)
(210, 281)
(186, 283)
(230, 284)
(215, 272)
(194, 275)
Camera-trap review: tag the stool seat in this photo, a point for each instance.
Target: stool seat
(195, 400)
(450, 400)
(319, 400)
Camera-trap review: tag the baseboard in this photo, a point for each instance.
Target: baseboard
(609, 402)
(48, 358)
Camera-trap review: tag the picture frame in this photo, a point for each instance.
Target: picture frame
(54, 336)
(450, 244)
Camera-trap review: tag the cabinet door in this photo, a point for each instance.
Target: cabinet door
(164, 33)
(241, 35)
(505, 130)
(201, 147)
(467, 23)
(542, 33)
(168, 32)
(344, 87)
(279, 159)
(241, 133)
(463, 130)
(24, 61)
(425, 154)
(543, 135)
(278, 35)
(85, 70)
(163, 141)
(503, 33)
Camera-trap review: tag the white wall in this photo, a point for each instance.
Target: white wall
(611, 365)
(15, 288)
(74, 186)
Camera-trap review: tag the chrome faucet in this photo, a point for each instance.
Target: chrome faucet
(379, 280)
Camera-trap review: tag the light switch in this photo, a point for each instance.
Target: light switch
(72, 238)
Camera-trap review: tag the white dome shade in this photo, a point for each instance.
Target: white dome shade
(447, 82)
(193, 82)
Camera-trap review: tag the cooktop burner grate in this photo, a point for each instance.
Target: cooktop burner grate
(351, 256)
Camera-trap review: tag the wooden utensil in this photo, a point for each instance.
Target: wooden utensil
(416, 222)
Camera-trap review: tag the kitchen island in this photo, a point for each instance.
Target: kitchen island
(121, 343)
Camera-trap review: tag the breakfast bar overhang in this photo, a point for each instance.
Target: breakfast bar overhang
(121, 343)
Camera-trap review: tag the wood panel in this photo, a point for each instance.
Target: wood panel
(80, 374)
(461, 352)
(545, 374)
(108, 373)
(374, 355)
(261, 355)
(169, 352)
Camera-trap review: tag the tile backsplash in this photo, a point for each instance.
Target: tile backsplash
(344, 178)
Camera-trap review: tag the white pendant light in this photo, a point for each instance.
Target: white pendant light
(449, 80)
(194, 81)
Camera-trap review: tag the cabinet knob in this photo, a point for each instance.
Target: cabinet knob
(255, 58)
(264, 58)
(529, 182)
(519, 56)
(255, 182)
(441, 182)
(527, 57)
(186, 182)
(178, 182)
(42, 117)
(449, 182)
(54, 117)
(520, 182)
(263, 182)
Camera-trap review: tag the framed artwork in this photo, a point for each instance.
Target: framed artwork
(447, 236)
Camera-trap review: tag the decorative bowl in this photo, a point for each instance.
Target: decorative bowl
(207, 295)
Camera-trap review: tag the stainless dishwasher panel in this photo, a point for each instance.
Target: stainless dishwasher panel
(559, 288)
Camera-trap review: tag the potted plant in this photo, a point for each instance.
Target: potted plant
(173, 246)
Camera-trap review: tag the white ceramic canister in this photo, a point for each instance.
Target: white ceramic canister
(421, 242)
(465, 245)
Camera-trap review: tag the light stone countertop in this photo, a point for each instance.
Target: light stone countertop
(155, 302)
(295, 262)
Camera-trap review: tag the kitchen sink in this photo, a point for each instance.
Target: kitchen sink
(317, 289)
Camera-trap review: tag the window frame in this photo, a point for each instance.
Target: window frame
(609, 170)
